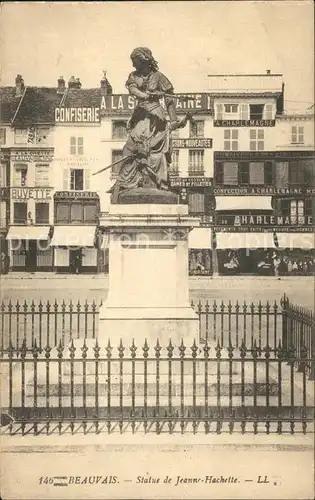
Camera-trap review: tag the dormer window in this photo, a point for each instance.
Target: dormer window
(256, 111)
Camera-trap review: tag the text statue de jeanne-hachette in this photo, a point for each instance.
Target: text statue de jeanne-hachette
(147, 154)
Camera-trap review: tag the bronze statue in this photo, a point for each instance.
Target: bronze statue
(147, 153)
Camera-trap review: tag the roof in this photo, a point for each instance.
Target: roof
(82, 98)
(38, 106)
(8, 104)
(244, 94)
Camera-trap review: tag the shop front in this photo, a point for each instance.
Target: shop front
(74, 249)
(29, 248)
(296, 253)
(200, 251)
(246, 252)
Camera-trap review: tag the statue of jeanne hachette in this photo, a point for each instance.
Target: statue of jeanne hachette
(147, 152)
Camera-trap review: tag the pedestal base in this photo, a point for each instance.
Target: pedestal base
(149, 323)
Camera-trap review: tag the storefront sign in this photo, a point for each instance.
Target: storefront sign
(32, 156)
(192, 143)
(251, 155)
(264, 191)
(244, 123)
(66, 195)
(4, 193)
(260, 220)
(259, 229)
(191, 181)
(77, 115)
(31, 193)
(126, 103)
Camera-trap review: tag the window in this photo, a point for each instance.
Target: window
(296, 173)
(268, 112)
(2, 136)
(20, 213)
(297, 210)
(297, 136)
(196, 162)
(76, 179)
(256, 173)
(244, 173)
(3, 175)
(42, 135)
(20, 135)
(76, 146)
(226, 173)
(90, 212)
(42, 174)
(256, 111)
(256, 142)
(174, 168)
(76, 212)
(196, 202)
(119, 129)
(116, 155)
(230, 140)
(63, 212)
(20, 174)
(231, 108)
(197, 128)
(3, 214)
(42, 213)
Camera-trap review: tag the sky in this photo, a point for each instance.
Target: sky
(42, 41)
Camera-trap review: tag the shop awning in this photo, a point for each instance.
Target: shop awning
(230, 203)
(296, 240)
(200, 237)
(73, 236)
(28, 233)
(245, 240)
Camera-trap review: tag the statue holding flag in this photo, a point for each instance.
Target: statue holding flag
(147, 153)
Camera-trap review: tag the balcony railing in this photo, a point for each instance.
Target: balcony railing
(196, 171)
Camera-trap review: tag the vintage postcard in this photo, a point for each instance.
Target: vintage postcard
(157, 180)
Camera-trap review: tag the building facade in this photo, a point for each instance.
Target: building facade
(243, 165)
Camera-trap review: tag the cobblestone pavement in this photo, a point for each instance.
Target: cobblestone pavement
(50, 287)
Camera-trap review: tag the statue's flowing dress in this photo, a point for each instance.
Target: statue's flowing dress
(147, 128)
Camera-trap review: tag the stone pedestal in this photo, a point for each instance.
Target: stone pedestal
(148, 294)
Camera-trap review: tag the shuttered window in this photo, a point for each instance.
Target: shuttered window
(197, 128)
(196, 202)
(63, 212)
(119, 129)
(196, 162)
(230, 173)
(219, 111)
(42, 213)
(76, 212)
(256, 173)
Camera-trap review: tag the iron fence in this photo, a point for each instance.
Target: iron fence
(298, 330)
(85, 387)
(49, 323)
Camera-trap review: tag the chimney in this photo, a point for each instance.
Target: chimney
(19, 86)
(61, 85)
(268, 72)
(280, 102)
(74, 83)
(106, 87)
